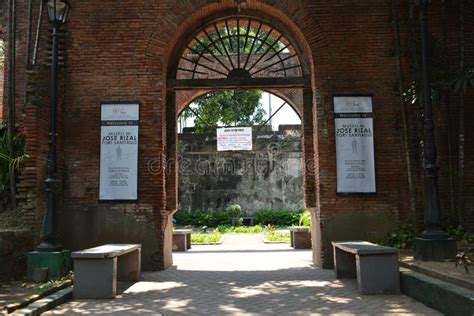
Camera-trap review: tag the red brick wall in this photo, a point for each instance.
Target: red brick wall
(124, 51)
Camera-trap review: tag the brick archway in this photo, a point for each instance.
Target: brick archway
(303, 95)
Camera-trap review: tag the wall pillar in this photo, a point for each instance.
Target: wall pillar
(310, 165)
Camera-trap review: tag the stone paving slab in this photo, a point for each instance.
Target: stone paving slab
(244, 276)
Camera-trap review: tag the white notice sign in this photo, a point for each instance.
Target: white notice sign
(234, 138)
(119, 152)
(354, 144)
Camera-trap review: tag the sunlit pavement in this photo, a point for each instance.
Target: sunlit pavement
(244, 276)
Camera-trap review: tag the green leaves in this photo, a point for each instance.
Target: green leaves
(226, 108)
(401, 238)
(282, 218)
(9, 163)
(462, 80)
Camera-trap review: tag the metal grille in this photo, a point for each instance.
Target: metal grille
(239, 47)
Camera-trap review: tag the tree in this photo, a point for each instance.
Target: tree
(226, 108)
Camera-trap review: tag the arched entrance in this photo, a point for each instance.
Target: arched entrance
(242, 51)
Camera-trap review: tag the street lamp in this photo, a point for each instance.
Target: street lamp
(433, 244)
(57, 12)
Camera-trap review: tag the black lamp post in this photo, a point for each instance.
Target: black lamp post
(57, 12)
(434, 243)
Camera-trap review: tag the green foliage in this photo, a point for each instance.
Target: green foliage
(199, 218)
(267, 216)
(227, 108)
(206, 238)
(240, 229)
(54, 283)
(460, 234)
(281, 236)
(234, 210)
(462, 80)
(231, 42)
(401, 238)
(9, 163)
(305, 219)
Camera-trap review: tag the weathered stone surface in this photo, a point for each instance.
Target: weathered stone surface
(13, 246)
(40, 275)
(269, 176)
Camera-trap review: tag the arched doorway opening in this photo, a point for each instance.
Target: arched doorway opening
(242, 52)
(259, 173)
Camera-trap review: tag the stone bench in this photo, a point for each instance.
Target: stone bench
(182, 239)
(374, 266)
(300, 237)
(96, 270)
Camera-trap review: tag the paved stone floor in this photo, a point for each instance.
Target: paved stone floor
(243, 276)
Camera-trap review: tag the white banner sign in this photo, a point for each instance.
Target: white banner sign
(234, 138)
(119, 152)
(354, 144)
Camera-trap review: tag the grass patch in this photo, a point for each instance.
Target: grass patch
(240, 229)
(205, 238)
(277, 236)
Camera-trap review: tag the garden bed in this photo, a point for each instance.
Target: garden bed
(18, 294)
(446, 271)
(277, 237)
(214, 238)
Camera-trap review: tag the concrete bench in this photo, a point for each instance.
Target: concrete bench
(96, 270)
(374, 266)
(182, 239)
(300, 237)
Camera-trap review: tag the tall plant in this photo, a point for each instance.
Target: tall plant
(9, 164)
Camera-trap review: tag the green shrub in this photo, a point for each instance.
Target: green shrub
(285, 218)
(240, 229)
(401, 238)
(305, 219)
(199, 218)
(277, 236)
(205, 238)
(460, 234)
(9, 163)
(234, 210)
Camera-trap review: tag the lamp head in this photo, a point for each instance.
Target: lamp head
(58, 11)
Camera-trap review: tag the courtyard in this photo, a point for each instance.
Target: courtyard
(243, 276)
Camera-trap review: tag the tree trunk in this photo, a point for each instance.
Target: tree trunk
(416, 80)
(461, 120)
(452, 198)
(11, 93)
(403, 103)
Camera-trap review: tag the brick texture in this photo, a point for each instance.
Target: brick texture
(127, 51)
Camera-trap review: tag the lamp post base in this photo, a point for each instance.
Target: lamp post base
(435, 249)
(49, 247)
(58, 263)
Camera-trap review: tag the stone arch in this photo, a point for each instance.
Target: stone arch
(302, 29)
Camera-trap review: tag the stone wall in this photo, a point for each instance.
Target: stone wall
(271, 175)
(14, 244)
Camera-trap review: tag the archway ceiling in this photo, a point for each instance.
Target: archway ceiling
(239, 52)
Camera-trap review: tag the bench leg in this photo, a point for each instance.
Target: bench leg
(95, 278)
(302, 240)
(292, 239)
(179, 242)
(344, 264)
(188, 241)
(129, 266)
(378, 274)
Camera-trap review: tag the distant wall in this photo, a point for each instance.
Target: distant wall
(269, 176)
